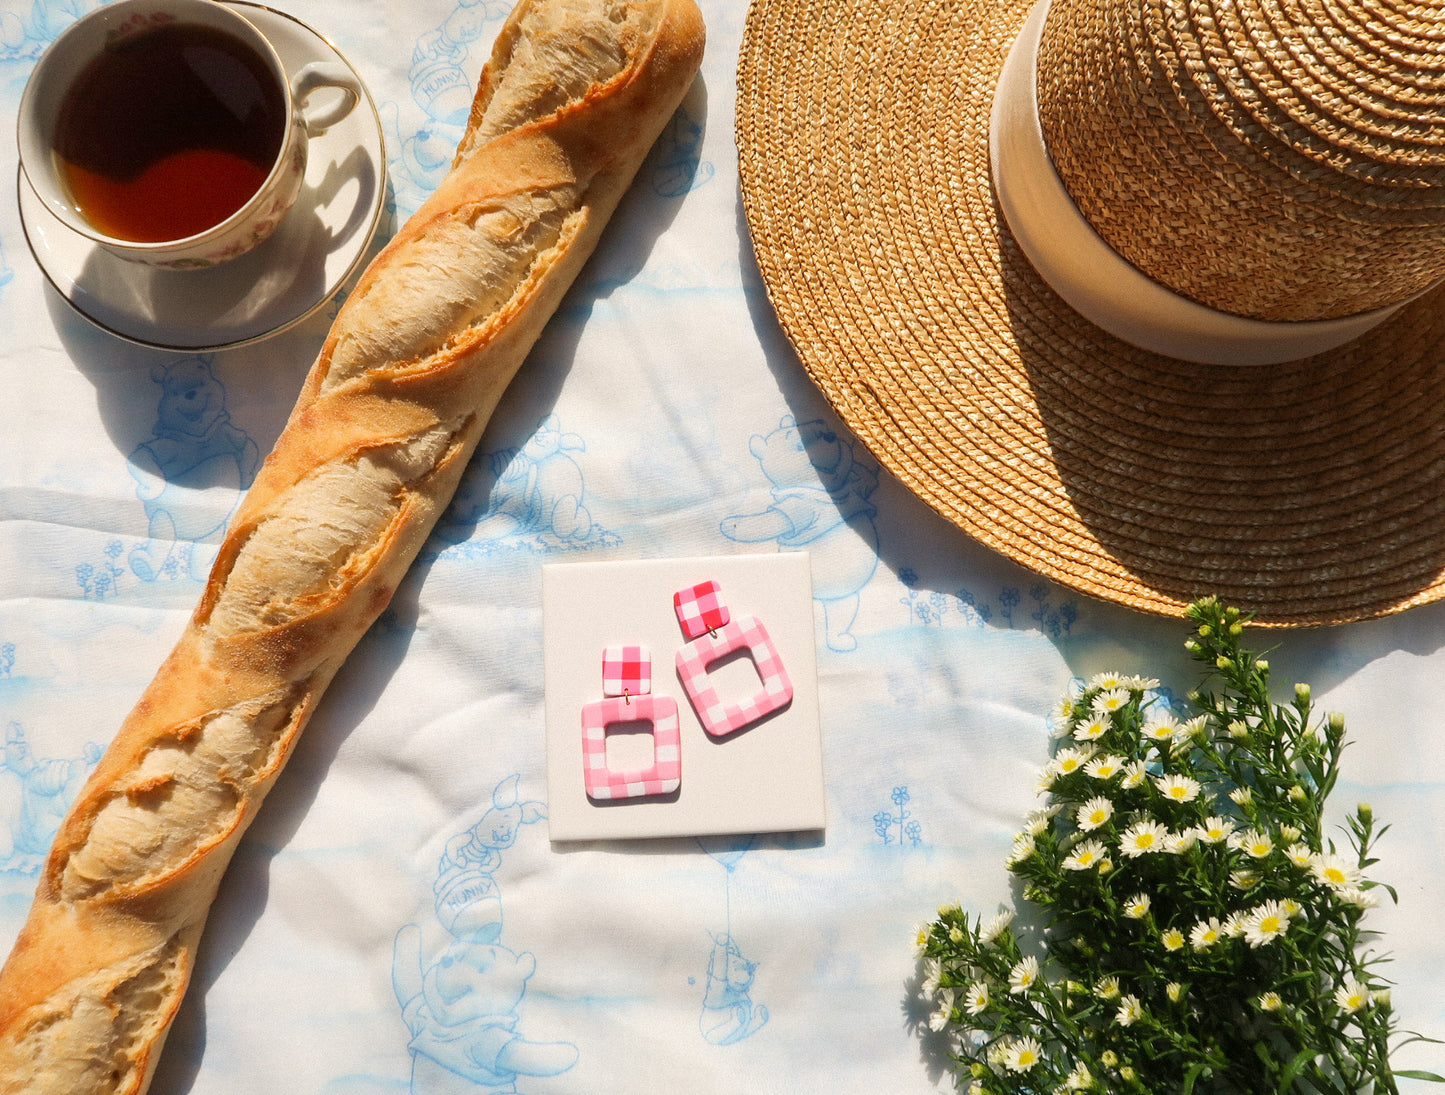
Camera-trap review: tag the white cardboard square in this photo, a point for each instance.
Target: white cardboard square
(766, 778)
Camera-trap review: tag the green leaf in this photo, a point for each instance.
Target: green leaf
(1418, 1074)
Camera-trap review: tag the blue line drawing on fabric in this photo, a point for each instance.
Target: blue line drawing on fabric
(7, 275)
(462, 1006)
(101, 579)
(28, 26)
(898, 825)
(678, 166)
(193, 446)
(532, 498)
(961, 608)
(443, 78)
(7, 659)
(728, 1012)
(35, 792)
(820, 504)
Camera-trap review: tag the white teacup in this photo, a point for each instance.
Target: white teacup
(191, 205)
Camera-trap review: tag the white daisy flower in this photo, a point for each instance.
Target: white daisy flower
(1353, 995)
(1094, 813)
(1241, 796)
(1130, 1011)
(932, 974)
(1335, 871)
(1142, 684)
(1233, 926)
(1036, 822)
(1359, 898)
(976, 998)
(1175, 991)
(1269, 1001)
(1173, 939)
(1023, 848)
(1110, 701)
(994, 928)
(1300, 855)
(1079, 1078)
(1137, 907)
(1047, 775)
(1068, 761)
(1195, 727)
(1160, 727)
(1265, 924)
(1107, 682)
(1179, 843)
(1024, 975)
(921, 941)
(1091, 729)
(1178, 788)
(1243, 880)
(1106, 767)
(1135, 773)
(1085, 856)
(1215, 829)
(1107, 989)
(1022, 1054)
(1252, 843)
(941, 1015)
(1143, 837)
(1205, 934)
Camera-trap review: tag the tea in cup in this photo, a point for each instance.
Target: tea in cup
(170, 133)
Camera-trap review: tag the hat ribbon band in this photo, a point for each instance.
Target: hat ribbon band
(1093, 278)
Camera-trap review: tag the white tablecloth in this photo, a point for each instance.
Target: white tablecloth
(660, 416)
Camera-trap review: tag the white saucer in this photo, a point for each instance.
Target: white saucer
(286, 278)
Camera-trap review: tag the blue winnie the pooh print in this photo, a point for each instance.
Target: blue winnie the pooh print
(462, 1006)
(193, 447)
(820, 505)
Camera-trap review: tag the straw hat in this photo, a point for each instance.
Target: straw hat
(1241, 180)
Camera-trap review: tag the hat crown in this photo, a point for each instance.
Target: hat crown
(1275, 159)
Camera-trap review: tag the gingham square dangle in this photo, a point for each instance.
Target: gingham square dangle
(705, 619)
(627, 686)
(626, 671)
(701, 609)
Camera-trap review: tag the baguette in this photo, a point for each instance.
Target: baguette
(573, 97)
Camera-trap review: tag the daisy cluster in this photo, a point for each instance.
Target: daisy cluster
(1194, 929)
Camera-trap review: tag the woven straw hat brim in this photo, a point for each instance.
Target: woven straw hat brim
(1307, 493)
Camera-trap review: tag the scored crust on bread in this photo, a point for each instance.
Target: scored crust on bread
(573, 97)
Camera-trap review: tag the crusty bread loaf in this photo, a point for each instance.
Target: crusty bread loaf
(574, 95)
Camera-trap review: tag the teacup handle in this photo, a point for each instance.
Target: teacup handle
(319, 74)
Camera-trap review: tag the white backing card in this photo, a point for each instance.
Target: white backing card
(767, 777)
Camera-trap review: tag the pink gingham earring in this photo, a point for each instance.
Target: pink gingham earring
(627, 686)
(714, 634)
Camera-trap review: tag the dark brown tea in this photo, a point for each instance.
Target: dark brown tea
(168, 132)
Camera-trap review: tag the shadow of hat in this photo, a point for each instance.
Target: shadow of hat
(1279, 163)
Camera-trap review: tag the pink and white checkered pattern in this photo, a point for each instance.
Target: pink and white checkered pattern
(720, 719)
(701, 609)
(626, 670)
(665, 774)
